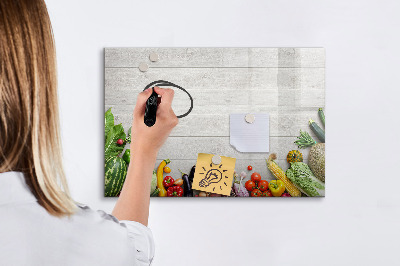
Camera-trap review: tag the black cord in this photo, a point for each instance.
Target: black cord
(170, 84)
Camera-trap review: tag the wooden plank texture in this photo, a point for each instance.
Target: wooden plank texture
(217, 57)
(188, 147)
(284, 123)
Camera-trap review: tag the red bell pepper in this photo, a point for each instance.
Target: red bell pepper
(168, 181)
(175, 191)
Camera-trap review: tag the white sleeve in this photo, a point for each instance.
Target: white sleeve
(143, 240)
(139, 236)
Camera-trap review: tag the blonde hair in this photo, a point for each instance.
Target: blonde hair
(29, 122)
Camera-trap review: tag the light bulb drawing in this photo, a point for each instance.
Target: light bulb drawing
(213, 176)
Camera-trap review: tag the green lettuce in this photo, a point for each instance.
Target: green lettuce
(112, 134)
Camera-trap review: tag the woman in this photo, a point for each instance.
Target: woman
(39, 222)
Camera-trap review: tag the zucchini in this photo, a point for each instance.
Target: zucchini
(317, 131)
(321, 115)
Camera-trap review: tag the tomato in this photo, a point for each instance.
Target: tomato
(255, 177)
(267, 193)
(250, 185)
(167, 169)
(256, 193)
(263, 185)
(249, 167)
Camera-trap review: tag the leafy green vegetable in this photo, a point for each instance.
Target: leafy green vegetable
(112, 133)
(109, 121)
(111, 148)
(128, 139)
(153, 185)
(302, 177)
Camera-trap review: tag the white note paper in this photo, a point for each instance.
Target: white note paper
(249, 137)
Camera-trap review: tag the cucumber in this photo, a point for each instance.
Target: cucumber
(321, 115)
(115, 173)
(317, 131)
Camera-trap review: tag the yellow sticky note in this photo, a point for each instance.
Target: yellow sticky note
(214, 178)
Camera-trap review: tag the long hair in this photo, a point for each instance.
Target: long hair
(29, 119)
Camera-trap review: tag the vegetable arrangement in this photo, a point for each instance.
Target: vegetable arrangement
(256, 186)
(160, 179)
(317, 151)
(310, 178)
(115, 167)
(301, 179)
(280, 174)
(168, 186)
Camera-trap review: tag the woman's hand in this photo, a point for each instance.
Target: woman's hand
(133, 203)
(150, 139)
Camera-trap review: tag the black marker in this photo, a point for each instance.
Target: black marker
(164, 83)
(151, 109)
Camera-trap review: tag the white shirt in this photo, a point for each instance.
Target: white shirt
(31, 236)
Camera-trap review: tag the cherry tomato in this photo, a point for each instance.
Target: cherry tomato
(263, 185)
(120, 142)
(267, 193)
(255, 177)
(256, 193)
(167, 169)
(250, 185)
(249, 167)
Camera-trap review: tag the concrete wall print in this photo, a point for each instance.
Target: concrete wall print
(256, 112)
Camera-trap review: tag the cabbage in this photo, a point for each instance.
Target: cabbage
(153, 184)
(303, 178)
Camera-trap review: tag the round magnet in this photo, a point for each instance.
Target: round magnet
(216, 159)
(250, 118)
(153, 57)
(143, 67)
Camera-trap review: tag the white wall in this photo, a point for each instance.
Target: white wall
(356, 224)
